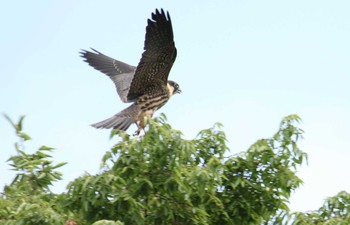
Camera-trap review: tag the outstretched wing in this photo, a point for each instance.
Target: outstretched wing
(120, 73)
(153, 69)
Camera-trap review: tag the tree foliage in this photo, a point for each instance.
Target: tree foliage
(162, 178)
(28, 199)
(335, 211)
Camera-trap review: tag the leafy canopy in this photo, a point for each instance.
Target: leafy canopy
(165, 179)
(162, 178)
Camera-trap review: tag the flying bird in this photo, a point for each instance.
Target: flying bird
(147, 85)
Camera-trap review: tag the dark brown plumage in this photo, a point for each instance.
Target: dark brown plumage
(147, 84)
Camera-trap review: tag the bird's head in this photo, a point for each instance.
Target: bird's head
(173, 87)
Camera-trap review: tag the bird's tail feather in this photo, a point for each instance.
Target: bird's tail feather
(120, 121)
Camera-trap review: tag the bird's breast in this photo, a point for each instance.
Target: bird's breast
(152, 102)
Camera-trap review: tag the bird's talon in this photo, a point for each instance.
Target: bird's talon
(137, 132)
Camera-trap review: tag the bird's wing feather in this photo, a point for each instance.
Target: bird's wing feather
(158, 57)
(120, 73)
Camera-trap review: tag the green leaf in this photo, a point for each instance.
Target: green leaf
(20, 122)
(12, 123)
(45, 148)
(42, 175)
(42, 155)
(24, 136)
(59, 165)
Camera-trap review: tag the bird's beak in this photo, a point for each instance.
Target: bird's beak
(178, 91)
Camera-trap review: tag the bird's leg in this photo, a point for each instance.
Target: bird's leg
(137, 132)
(143, 123)
(141, 126)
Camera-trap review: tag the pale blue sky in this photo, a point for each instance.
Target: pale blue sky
(246, 64)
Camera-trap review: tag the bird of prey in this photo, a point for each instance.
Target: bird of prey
(146, 85)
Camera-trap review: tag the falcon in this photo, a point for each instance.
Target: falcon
(147, 85)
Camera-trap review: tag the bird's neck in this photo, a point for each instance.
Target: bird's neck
(170, 89)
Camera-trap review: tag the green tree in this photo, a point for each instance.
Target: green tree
(165, 179)
(28, 199)
(162, 178)
(335, 211)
